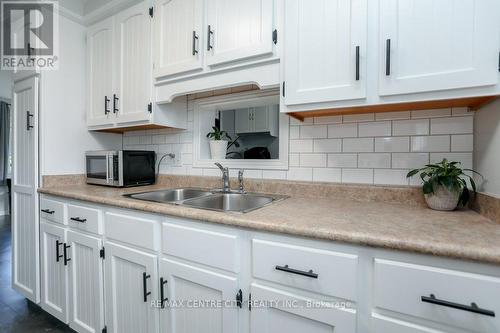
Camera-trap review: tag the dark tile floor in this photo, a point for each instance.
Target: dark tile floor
(17, 315)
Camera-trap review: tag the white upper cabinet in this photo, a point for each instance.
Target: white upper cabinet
(238, 29)
(133, 64)
(257, 120)
(325, 50)
(178, 43)
(99, 62)
(430, 45)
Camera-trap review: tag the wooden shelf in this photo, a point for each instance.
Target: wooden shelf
(473, 103)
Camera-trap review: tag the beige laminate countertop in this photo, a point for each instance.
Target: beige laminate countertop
(459, 234)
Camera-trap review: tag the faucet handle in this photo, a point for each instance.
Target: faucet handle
(240, 174)
(240, 179)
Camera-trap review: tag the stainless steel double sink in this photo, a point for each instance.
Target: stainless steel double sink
(208, 199)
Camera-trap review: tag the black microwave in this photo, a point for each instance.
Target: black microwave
(120, 168)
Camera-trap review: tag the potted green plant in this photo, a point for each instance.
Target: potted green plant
(218, 146)
(445, 184)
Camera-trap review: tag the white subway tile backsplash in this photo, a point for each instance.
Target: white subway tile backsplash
(400, 115)
(343, 131)
(301, 146)
(437, 143)
(374, 160)
(431, 113)
(328, 120)
(464, 158)
(313, 132)
(294, 132)
(357, 145)
(301, 174)
(294, 160)
(390, 177)
(356, 118)
(392, 144)
(379, 128)
(409, 160)
(367, 148)
(410, 127)
(327, 175)
(461, 143)
(452, 125)
(313, 160)
(358, 176)
(342, 160)
(327, 145)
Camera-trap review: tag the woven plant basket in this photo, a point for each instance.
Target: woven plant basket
(442, 199)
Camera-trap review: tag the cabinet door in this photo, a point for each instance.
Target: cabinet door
(185, 284)
(86, 289)
(178, 45)
(25, 214)
(260, 119)
(54, 272)
(437, 45)
(133, 63)
(131, 285)
(100, 76)
(274, 310)
(242, 122)
(330, 33)
(238, 29)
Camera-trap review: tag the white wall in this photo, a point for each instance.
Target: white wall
(64, 136)
(487, 147)
(5, 84)
(370, 148)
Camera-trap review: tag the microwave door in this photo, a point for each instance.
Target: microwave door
(97, 168)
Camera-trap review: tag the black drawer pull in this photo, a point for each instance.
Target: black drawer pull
(210, 33)
(48, 211)
(115, 103)
(106, 105)
(388, 57)
(145, 291)
(163, 299)
(66, 259)
(287, 269)
(357, 63)
(77, 219)
(28, 121)
(470, 308)
(58, 256)
(195, 39)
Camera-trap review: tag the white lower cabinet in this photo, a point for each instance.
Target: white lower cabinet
(54, 298)
(275, 310)
(197, 300)
(206, 278)
(86, 290)
(131, 285)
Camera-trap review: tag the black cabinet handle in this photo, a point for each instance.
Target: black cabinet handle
(239, 299)
(195, 39)
(388, 57)
(209, 38)
(357, 63)
(28, 121)
(470, 308)
(145, 291)
(77, 219)
(287, 269)
(163, 299)
(48, 211)
(106, 105)
(30, 49)
(115, 103)
(58, 256)
(66, 259)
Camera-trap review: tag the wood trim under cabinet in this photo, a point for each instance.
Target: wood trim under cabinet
(473, 103)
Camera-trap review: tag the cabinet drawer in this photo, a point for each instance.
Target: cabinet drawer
(139, 231)
(381, 324)
(52, 210)
(85, 218)
(400, 287)
(316, 270)
(206, 247)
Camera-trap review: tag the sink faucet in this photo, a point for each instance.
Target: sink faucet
(226, 185)
(240, 180)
